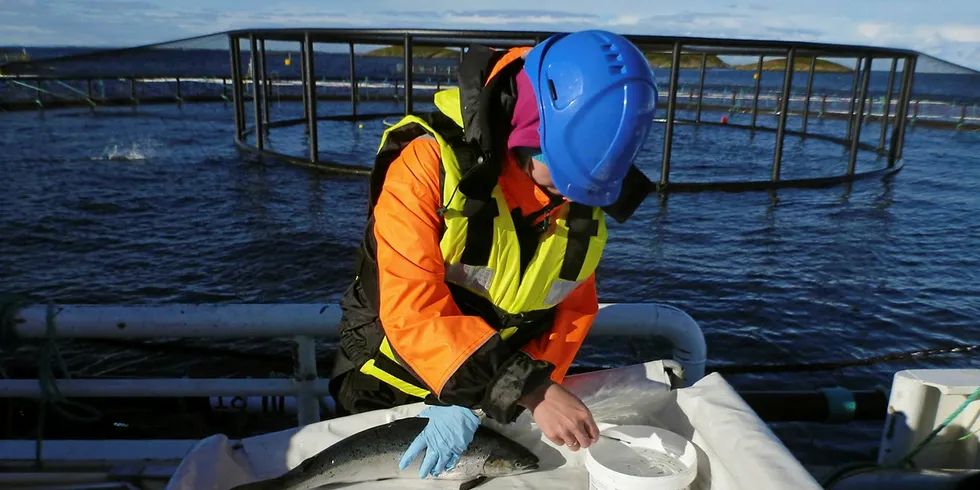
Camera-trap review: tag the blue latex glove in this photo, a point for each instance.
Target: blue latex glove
(449, 432)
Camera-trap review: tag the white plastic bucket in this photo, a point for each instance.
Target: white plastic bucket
(641, 457)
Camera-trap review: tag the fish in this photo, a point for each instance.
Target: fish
(373, 455)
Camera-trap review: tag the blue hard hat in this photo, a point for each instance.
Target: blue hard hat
(596, 97)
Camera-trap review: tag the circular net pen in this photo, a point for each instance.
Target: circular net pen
(734, 115)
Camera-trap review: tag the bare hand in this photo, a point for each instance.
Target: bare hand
(562, 417)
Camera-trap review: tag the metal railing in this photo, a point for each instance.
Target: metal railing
(894, 114)
(303, 323)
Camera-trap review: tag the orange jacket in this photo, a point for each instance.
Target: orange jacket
(401, 293)
(420, 318)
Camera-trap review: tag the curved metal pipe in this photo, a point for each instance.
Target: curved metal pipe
(653, 319)
(321, 320)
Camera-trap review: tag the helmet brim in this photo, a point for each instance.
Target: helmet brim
(595, 196)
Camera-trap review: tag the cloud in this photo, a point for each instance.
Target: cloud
(504, 18)
(957, 43)
(961, 33)
(624, 20)
(525, 14)
(25, 29)
(871, 30)
(945, 31)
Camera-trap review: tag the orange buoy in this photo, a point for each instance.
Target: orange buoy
(724, 119)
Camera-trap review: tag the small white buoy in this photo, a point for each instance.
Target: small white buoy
(634, 457)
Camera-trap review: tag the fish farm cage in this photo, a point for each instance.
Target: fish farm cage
(775, 87)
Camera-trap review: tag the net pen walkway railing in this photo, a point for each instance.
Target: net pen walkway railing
(674, 52)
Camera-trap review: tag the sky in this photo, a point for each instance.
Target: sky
(947, 29)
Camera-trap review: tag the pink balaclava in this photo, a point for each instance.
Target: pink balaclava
(524, 122)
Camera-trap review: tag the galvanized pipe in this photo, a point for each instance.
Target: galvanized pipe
(308, 407)
(783, 111)
(311, 98)
(408, 74)
(353, 82)
(232, 42)
(675, 62)
(850, 107)
(236, 89)
(321, 321)
(758, 87)
(910, 79)
(888, 103)
(303, 82)
(235, 321)
(256, 104)
(901, 114)
(704, 68)
(265, 82)
(809, 92)
(865, 80)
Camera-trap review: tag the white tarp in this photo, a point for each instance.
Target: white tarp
(736, 450)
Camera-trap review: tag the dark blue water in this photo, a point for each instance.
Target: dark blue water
(155, 205)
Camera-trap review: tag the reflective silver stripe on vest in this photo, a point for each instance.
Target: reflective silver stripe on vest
(559, 290)
(472, 277)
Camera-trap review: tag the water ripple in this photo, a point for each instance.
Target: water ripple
(158, 207)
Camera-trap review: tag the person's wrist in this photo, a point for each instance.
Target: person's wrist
(531, 399)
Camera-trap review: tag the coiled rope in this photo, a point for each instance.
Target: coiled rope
(49, 359)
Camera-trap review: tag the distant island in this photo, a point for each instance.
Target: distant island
(690, 60)
(801, 63)
(429, 52)
(656, 60)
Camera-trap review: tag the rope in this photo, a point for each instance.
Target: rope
(50, 392)
(832, 365)
(49, 358)
(907, 459)
(38, 89)
(847, 469)
(55, 94)
(851, 469)
(73, 89)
